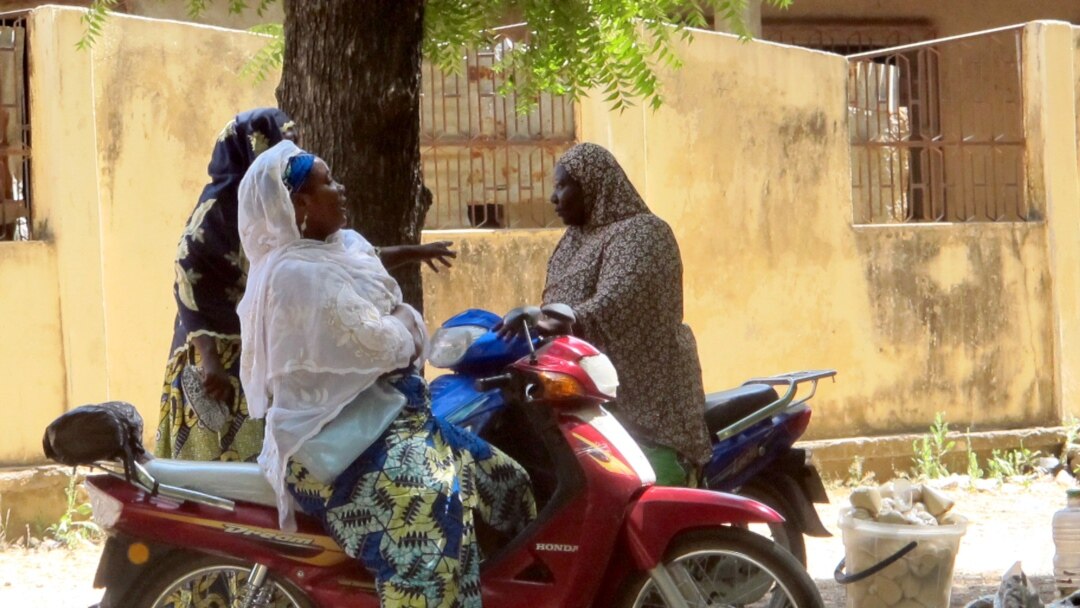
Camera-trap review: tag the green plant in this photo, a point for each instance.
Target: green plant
(1000, 465)
(1012, 463)
(74, 528)
(856, 474)
(4, 527)
(973, 470)
(271, 56)
(931, 449)
(610, 47)
(1072, 435)
(855, 471)
(1072, 429)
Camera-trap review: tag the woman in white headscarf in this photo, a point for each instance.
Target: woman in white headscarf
(329, 344)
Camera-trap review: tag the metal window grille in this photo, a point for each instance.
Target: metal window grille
(486, 165)
(937, 131)
(14, 129)
(845, 37)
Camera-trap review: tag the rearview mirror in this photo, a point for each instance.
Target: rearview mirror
(560, 312)
(524, 314)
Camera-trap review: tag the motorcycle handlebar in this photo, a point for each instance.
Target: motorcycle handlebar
(493, 382)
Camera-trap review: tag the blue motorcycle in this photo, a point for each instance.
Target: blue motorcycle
(753, 428)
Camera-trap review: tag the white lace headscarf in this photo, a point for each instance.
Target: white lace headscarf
(315, 320)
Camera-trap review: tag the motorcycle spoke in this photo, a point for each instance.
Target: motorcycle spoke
(731, 580)
(722, 580)
(688, 585)
(215, 588)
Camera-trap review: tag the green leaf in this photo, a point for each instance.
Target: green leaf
(94, 20)
(270, 56)
(568, 47)
(264, 5)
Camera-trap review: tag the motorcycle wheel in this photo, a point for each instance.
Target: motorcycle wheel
(786, 534)
(210, 582)
(730, 567)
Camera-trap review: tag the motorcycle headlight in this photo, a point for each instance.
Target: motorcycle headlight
(602, 373)
(449, 344)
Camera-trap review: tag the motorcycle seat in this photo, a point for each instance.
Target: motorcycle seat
(238, 481)
(727, 407)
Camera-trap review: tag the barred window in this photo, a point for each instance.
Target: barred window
(486, 165)
(15, 208)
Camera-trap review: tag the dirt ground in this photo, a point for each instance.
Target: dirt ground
(1008, 524)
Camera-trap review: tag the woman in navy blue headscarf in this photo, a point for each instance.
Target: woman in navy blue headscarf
(203, 410)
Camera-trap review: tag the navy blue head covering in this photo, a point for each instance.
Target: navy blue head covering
(211, 271)
(248, 135)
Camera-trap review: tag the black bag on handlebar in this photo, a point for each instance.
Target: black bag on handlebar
(89, 433)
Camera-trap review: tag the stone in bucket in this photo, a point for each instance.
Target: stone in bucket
(903, 539)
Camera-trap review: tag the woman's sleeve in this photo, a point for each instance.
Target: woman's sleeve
(382, 337)
(341, 327)
(209, 282)
(640, 279)
(355, 241)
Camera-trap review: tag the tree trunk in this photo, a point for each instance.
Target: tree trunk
(351, 81)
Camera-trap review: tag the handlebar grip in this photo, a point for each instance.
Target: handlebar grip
(493, 382)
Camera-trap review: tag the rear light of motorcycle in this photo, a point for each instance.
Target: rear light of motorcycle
(796, 426)
(106, 508)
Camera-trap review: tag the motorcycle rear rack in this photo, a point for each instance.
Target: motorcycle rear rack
(792, 381)
(143, 480)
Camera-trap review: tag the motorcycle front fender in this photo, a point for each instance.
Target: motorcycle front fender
(662, 513)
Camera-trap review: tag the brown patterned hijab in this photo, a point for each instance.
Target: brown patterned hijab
(609, 195)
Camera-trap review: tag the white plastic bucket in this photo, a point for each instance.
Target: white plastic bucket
(905, 566)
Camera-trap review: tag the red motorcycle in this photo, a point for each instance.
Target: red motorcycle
(205, 533)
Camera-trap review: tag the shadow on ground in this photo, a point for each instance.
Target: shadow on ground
(965, 589)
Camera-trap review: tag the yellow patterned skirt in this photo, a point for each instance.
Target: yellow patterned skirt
(405, 508)
(181, 434)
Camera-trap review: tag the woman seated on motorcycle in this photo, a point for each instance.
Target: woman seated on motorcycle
(618, 267)
(326, 335)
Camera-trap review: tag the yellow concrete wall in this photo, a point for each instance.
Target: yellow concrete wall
(496, 270)
(217, 13)
(1050, 70)
(67, 209)
(31, 348)
(122, 137)
(947, 18)
(749, 161)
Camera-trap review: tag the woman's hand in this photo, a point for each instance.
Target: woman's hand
(546, 326)
(428, 253)
(216, 381)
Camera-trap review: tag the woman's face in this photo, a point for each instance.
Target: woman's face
(568, 198)
(320, 204)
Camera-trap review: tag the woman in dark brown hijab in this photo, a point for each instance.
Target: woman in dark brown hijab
(618, 266)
